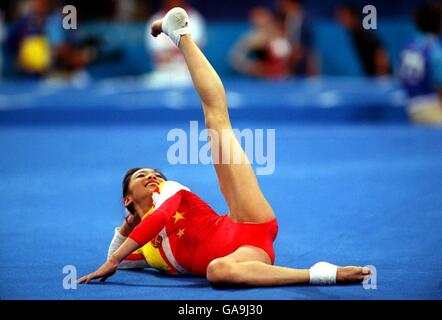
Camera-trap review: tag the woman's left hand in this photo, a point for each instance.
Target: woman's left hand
(104, 272)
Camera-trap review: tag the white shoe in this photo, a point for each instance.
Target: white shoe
(175, 24)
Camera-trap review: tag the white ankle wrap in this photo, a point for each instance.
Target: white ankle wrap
(323, 273)
(116, 242)
(175, 24)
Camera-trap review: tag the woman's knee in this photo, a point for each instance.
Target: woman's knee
(220, 271)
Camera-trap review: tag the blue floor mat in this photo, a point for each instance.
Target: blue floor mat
(347, 194)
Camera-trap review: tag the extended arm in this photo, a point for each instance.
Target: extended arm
(142, 233)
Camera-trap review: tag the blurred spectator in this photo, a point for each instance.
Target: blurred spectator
(41, 47)
(69, 55)
(303, 60)
(264, 51)
(420, 67)
(372, 55)
(125, 10)
(132, 10)
(27, 38)
(169, 67)
(2, 36)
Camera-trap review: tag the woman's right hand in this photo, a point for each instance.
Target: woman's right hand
(104, 272)
(130, 222)
(133, 220)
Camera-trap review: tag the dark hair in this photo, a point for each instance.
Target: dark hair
(125, 184)
(428, 18)
(126, 180)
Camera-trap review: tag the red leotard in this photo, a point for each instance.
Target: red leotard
(192, 234)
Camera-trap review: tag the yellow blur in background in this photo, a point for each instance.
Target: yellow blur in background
(35, 54)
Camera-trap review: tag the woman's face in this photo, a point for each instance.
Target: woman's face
(141, 186)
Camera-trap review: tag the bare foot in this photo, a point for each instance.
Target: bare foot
(352, 274)
(156, 28)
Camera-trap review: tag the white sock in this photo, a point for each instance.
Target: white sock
(323, 273)
(175, 24)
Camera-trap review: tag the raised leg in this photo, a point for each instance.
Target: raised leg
(236, 178)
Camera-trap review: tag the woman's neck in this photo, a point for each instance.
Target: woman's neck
(142, 210)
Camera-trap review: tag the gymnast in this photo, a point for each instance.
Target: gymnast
(171, 229)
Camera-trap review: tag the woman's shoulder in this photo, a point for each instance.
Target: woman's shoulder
(171, 185)
(167, 189)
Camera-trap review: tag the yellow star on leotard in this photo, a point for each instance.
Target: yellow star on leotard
(178, 216)
(180, 233)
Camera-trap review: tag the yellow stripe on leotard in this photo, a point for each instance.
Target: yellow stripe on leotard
(151, 253)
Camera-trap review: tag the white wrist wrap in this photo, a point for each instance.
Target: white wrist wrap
(176, 35)
(323, 273)
(116, 242)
